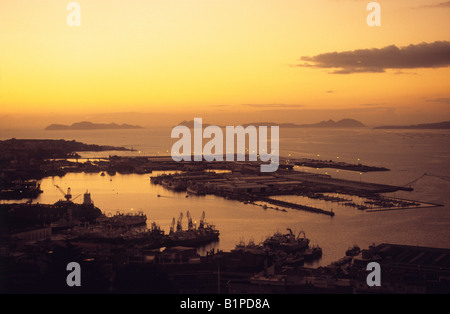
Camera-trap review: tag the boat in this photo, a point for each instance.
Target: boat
(287, 242)
(313, 253)
(193, 236)
(120, 220)
(251, 247)
(295, 259)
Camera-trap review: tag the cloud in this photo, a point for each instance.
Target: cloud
(271, 106)
(440, 100)
(371, 105)
(437, 5)
(375, 60)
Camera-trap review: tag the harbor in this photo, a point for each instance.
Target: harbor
(124, 255)
(149, 213)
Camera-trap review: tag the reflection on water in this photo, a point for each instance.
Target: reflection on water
(408, 154)
(237, 221)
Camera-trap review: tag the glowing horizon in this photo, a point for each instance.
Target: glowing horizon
(202, 55)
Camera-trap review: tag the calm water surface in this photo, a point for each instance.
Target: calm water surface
(408, 154)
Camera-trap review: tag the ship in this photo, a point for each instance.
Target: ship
(312, 253)
(251, 247)
(294, 259)
(194, 236)
(102, 233)
(120, 220)
(287, 242)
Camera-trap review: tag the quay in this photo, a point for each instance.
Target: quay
(247, 186)
(295, 206)
(313, 163)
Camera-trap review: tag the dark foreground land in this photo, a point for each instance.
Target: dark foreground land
(34, 258)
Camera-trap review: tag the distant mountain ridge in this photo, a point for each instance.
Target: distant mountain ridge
(423, 126)
(86, 125)
(344, 123)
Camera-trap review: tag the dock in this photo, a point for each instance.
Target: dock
(296, 206)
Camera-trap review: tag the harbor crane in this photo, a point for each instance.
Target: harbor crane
(179, 222)
(68, 195)
(202, 221)
(172, 226)
(190, 224)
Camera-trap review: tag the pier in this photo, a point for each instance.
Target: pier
(296, 206)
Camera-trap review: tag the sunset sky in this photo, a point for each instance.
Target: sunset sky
(287, 60)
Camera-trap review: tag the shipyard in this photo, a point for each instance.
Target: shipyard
(120, 246)
(129, 253)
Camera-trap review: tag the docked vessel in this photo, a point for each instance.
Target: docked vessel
(287, 242)
(120, 220)
(355, 250)
(193, 236)
(312, 253)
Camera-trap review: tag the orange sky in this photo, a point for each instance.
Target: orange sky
(203, 57)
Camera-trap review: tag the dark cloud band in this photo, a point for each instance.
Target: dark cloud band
(424, 55)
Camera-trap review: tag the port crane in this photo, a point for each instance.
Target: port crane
(202, 221)
(172, 226)
(68, 195)
(179, 222)
(190, 223)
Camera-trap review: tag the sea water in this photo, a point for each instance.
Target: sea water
(408, 153)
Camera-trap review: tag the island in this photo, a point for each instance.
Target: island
(86, 125)
(343, 123)
(425, 126)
